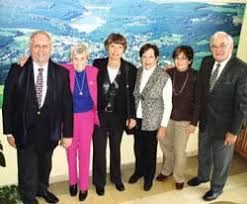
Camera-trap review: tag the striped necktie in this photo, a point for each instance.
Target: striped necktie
(39, 86)
(213, 77)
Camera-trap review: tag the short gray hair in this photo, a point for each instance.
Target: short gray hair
(40, 32)
(222, 33)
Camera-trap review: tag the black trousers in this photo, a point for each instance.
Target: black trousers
(35, 161)
(33, 172)
(145, 148)
(138, 144)
(111, 126)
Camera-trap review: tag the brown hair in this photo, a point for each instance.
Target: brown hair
(115, 38)
(186, 50)
(148, 46)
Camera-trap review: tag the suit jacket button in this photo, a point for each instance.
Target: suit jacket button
(38, 113)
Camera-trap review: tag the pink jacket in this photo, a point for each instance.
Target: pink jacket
(92, 73)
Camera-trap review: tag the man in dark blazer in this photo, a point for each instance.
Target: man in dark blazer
(223, 109)
(116, 81)
(37, 110)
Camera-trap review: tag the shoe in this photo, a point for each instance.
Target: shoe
(179, 186)
(73, 190)
(134, 178)
(100, 190)
(196, 181)
(162, 177)
(48, 196)
(147, 186)
(82, 195)
(120, 186)
(34, 201)
(211, 195)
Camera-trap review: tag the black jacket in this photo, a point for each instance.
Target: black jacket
(20, 106)
(121, 99)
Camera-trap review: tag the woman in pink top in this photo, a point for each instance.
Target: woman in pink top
(83, 85)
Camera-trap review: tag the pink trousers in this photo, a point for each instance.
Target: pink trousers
(78, 154)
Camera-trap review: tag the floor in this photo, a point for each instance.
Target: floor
(164, 192)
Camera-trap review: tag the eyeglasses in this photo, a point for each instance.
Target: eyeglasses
(222, 46)
(181, 58)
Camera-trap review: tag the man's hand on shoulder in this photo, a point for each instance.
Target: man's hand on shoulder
(22, 60)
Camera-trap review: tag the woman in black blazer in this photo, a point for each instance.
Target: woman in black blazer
(116, 81)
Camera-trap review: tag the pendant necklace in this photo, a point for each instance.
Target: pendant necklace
(77, 82)
(176, 93)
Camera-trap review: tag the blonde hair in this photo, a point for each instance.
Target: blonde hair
(79, 49)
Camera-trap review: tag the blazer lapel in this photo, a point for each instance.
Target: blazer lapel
(30, 90)
(208, 74)
(122, 74)
(31, 103)
(224, 72)
(103, 71)
(50, 94)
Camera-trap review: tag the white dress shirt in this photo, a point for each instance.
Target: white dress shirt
(167, 96)
(222, 66)
(112, 73)
(45, 75)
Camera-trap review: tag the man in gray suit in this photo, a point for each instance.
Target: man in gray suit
(223, 109)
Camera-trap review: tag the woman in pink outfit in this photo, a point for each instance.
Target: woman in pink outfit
(83, 84)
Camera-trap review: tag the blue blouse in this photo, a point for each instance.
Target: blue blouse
(82, 100)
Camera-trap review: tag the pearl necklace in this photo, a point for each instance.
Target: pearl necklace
(77, 83)
(176, 93)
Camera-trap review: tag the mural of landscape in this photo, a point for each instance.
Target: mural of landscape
(164, 23)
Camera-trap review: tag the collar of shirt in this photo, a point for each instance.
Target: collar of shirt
(147, 72)
(222, 65)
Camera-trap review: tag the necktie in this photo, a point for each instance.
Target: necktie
(39, 86)
(213, 77)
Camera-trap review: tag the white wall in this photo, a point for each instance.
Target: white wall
(242, 53)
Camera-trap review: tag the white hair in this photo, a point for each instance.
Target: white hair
(218, 34)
